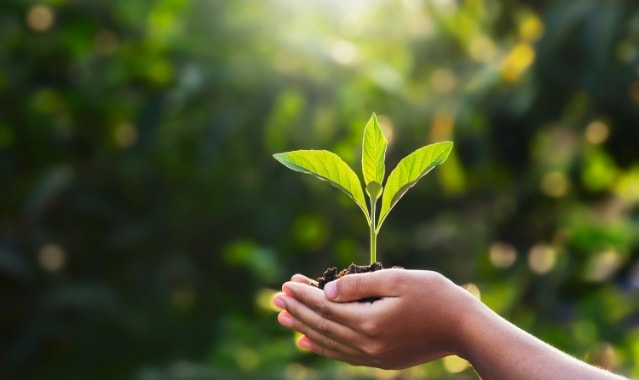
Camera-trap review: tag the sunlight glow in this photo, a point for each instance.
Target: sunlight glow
(343, 52)
(388, 128)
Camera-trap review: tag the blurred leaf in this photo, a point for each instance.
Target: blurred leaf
(261, 261)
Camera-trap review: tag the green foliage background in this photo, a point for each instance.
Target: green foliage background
(144, 225)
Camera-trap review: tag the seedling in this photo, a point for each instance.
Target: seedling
(329, 167)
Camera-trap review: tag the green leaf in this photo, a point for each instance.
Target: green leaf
(329, 167)
(410, 170)
(373, 153)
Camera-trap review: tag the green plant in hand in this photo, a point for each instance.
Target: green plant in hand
(329, 167)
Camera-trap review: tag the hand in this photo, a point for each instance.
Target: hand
(416, 318)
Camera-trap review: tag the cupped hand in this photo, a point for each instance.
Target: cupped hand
(416, 317)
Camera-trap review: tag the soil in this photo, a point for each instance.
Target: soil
(331, 274)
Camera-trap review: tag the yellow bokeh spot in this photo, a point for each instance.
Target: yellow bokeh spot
(597, 132)
(264, 299)
(125, 135)
(455, 364)
(542, 258)
(517, 61)
(605, 356)
(386, 374)
(531, 28)
(599, 170)
(473, 289)
(442, 126)
(40, 18)
(603, 265)
(51, 257)
(627, 187)
(502, 255)
(555, 184)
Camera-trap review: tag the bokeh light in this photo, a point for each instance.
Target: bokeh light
(51, 257)
(603, 265)
(40, 17)
(597, 132)
(542, 258)
(125, 135)
(455, 364)
(502, 255)
(555, 184)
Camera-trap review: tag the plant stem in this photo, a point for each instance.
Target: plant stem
(373, 232)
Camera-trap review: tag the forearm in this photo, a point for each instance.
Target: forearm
(499, 350)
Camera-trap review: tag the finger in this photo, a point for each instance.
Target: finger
(326, 335)
(350, 314)
(303, 279)
(278, 300)
(309, 305)
(351, 358)
(354, 287)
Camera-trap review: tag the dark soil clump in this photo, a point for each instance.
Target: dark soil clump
(331, 274)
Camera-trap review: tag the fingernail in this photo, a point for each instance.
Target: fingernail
(330, 290)
(286, 290)
(279, 302)
(285, 319)
(304, 343)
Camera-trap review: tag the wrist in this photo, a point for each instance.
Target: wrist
(475, 319)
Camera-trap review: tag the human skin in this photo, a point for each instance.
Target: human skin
(418, 316)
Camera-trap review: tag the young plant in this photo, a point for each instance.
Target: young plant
(329, 167)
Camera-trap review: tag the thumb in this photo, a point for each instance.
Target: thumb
(354, 287)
